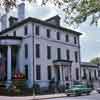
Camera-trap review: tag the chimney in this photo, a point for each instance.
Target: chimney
(3, 22)
(12, 21)
(21, 11)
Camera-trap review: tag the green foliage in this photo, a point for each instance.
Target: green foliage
(76, 11)
(95, 60)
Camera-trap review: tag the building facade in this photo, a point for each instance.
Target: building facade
(90, 74)
(42, 50)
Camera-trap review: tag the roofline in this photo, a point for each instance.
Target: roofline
(30, 19)
(87, 64)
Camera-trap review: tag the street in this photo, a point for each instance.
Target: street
(89, 97)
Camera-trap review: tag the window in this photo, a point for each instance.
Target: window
(68, 54)
(77, 74)
(37, 30)
(58, 53)
(84, 74)
(98, 73)
(25, 30)
(26, 50)
(26, 72)
(49, 73)
(76, 56)
(14, 33)
(90, 78)
(48, 33)
(75, 40)
(67, 38)
(58, 36)
(38, 72)
(49, 52)
(95, 74)
(37, 50)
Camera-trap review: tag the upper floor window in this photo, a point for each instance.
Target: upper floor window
(68, 54)
(38, 72)
(75, 40)
(49, 72)
(58, 36)
(26, 50)
(76, 56)
(14, 33)
(48, 33)
(67, 38)
(49, 52)
(37, 30)
(25, 30)
(37, 50)
(59, 53)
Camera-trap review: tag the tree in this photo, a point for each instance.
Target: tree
(95, 60)
(76, 11)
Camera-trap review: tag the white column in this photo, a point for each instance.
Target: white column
(9, 64)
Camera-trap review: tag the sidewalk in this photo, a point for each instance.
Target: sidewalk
(39, 97)
(50, 96)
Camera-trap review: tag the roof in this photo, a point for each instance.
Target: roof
(53, 18)
(30, 19)
(87, 64)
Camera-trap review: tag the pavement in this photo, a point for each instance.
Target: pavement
(40, 97)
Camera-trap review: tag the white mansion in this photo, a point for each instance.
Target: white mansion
(42, 50)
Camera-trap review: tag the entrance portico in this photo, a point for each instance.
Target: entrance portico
(63, 71)
(7, 45)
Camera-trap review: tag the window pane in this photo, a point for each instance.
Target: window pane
(48, 33)
(49, 73)
(68, 54)
(37, 30)
(76, 56)
(26, 72)
(37, 50)
(49, 52)
(58, 53)
(26, 50)
(67, 38)
(75, 41)
(58, 36)
(77, 74)
(25, 30)
(38, 72)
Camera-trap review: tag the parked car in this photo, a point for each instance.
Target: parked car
(78, 90)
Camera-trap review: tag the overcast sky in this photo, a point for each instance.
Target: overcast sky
(90, 40)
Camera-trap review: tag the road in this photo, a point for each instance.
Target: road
(89, 97)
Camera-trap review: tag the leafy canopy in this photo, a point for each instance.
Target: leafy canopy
(76, 11)
(95, 60)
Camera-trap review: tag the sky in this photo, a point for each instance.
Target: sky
(90, 40)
